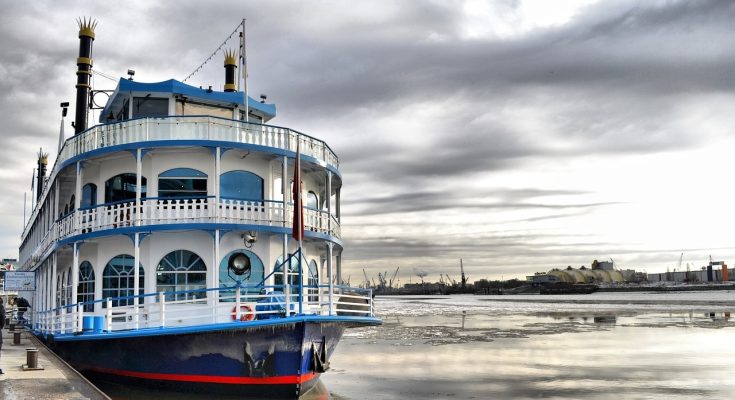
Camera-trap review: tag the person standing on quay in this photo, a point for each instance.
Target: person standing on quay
(23, 306)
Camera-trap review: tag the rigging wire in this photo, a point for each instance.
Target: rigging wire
(104, 75)
(214, 53)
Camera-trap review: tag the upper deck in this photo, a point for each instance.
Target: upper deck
(159, 115)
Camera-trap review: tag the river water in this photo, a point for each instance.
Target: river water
(598, 346)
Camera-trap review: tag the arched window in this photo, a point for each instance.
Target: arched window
(85, 289)
(122, 187)
(67, 288)
(118, 280)
(312, 201)
(313, 281)
(241, 185)
(89, 196)
(182, 182)
(72, 203)
(229, 279)
(60, 290)
(181, 270)
(293, 273)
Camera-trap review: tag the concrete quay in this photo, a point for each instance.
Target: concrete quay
(53, 380)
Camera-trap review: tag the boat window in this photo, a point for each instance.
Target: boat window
(149, 107)
(85, 289)
(118, 280)
(89, 196)
(181, 270)
(312, 201)
(66, 293)
(122, 187)
(251, 118)
(229, 279)
(61, 289)
(191, 108)
(241, 185)
(182, 182)
(313, 281)
(293, 273)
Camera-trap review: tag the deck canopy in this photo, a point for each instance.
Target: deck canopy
(128, 89)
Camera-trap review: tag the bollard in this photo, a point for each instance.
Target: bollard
(32, 358)
(16, 337)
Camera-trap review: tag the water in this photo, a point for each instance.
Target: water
(598, 346)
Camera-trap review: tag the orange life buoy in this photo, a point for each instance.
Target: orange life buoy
(246, 313)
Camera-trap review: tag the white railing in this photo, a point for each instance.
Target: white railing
(187, 128)
(224, 305)
(157, 211)
(195, 128)
(154, 211)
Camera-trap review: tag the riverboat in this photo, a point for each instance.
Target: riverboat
(172, 245)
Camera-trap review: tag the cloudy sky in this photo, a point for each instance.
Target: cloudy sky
(517, 135)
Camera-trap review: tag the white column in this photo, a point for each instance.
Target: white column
(130, 106)
(217, 172)
(138, 191)
(213, 275)
(41, 288)
(78, 189)
(329, 275)
(54, 282)
(74, 272)
(339, 214)
(136, 273)
(77, 204)
(284, 189)
(339, 268)
(54, 209)
(285, 267)
(328, 193)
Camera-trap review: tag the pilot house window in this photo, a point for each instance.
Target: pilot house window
(149, 107)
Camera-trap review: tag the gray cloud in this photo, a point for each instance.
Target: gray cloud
(417, 111)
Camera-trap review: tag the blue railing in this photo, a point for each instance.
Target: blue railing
(203, 306)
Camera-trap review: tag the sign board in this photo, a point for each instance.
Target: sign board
(19, 281)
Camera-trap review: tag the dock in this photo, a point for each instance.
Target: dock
(51, 379)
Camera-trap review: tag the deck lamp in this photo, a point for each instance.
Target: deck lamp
(239, 264)
(64, 108)
(249, 238)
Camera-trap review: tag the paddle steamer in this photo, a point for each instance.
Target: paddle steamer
(163, 247)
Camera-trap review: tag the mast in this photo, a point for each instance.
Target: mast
(243, 61)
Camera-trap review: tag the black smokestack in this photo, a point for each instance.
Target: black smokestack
(41, 178)
(230, 66)
(84, 72)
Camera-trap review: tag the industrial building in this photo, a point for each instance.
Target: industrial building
(600, 272)
(716, 271)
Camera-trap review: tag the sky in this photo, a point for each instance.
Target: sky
(516, 135)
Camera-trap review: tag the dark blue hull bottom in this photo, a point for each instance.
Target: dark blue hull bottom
(279, 360)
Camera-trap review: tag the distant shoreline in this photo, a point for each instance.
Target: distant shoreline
(677, 288)
(534, 290)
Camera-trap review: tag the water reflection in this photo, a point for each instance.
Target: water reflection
(459, 349)
(469, 347)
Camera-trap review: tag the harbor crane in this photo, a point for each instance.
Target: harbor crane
(392, 279)
(367, 280)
